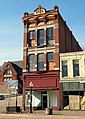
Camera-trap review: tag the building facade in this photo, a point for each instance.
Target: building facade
(46, 35)
(72, 78)
(10, 71)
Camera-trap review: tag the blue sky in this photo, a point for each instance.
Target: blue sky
(11, 26)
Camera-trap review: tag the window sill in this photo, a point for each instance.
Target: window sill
(43, 71)
(40, 46)
(76, 76)
(65, 77)
(32, 39)
(31, 71)
(50, 45)
(31, 47)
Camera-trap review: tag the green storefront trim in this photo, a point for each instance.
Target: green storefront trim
(73, 86)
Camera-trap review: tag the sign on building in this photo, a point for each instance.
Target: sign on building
(12, 86)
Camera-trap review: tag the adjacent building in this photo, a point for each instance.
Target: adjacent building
(72, 78)
(46, 35)
(10, 71)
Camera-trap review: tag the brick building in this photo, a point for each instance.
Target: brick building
(46, 35)
(10, 71)
(72, 78)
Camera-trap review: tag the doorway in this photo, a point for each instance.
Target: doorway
(44, 101)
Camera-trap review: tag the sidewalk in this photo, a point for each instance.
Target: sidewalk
(41, 115)
(42, 112)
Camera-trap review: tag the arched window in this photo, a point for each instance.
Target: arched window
(7, 75)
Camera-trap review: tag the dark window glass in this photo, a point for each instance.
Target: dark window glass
(73, 92)
(49, 35)
(41, 37)
(40, 62)
(50, 57)
(31, 62)
(32, 38)
(64, 69)
(75, 68)
(31, 35)
(81, 93)
(65, 92)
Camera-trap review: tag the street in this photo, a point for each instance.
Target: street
(42, 115)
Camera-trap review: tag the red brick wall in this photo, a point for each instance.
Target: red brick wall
(1, 76)
(14, 73)
(56, 60)
(3, 87)
(67, 41)
(25, 46)
(62, 35)
(75, 45)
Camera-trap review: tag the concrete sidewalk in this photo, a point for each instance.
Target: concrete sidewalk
(65, 113)
(41, 115)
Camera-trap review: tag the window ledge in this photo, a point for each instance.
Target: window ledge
(31, 47)
(76, 76)
(50, 45)
(40, 46)
(65, 77)
(32, 39)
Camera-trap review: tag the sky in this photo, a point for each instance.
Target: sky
(12, 29)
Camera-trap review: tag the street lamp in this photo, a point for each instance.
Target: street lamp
(31, 85)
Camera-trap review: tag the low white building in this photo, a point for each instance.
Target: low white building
(72, 78)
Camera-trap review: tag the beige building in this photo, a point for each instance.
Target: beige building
(72, 78)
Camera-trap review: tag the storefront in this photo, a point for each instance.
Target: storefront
(73, 95)
(41, 99)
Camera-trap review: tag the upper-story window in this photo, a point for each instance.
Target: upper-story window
(31, 62)
(7, 75)
(40, 62)
(75, 67)
(40, 37)
(49, 36)
(64, 69)
(50, 61)
(84, 63)
(32, 38)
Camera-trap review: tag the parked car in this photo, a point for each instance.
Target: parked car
(2, 97)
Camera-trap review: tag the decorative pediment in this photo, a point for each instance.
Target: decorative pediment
(39, 10)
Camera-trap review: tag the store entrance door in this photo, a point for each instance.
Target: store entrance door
(44, 101)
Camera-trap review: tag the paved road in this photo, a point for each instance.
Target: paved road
(10, 101)
(42, 115)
